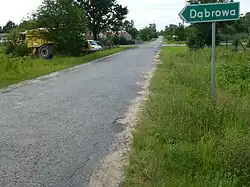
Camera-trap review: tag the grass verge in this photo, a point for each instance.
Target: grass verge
(14, 70)
(181, 139)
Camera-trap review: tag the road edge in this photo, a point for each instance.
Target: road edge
(111, 172)
(53, 74)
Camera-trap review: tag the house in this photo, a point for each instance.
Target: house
(120, 34)
(125, 34)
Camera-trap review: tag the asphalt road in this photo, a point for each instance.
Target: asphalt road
(56, 131)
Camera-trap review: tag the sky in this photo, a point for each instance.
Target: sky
(143, 12)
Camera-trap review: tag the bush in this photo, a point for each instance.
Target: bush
(168, 37)
(248, 42)
(66, 23)
(9, 48)
(123, 41)
(21, 50)
(18, 50)
(131, 42)
(107, 43)
(116, 40)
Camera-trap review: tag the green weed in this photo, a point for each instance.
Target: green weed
(182, 140)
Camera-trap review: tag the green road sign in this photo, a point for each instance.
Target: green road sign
(198, 13)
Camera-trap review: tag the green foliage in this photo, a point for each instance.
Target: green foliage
(14, 36)
(246, 22)
(181, 139)
(18, 50)
(8, 27)
(248, 42)
(28, 25)
(195, 39)
(107, 43)
(103, 15)
(175, 30)
(9, 48)
(21, 50)
(130, 28)
(122, 41)
(147, 33)
(65, 21)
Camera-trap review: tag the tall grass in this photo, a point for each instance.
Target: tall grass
(182, 140)
(14, 70)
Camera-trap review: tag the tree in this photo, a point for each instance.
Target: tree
(9, 26)
(146, 34)
(246, 22)
(153, 30)
(28, 24)
(119, 14)
(103, 15)
(178, 31)
(65, 22)
(130, 28)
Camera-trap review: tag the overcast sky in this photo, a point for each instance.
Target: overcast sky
(143, 12)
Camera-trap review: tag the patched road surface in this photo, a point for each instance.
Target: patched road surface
(55, 132)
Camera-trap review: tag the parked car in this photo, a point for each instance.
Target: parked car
(100, 44)
(94, 46)
(91, 46)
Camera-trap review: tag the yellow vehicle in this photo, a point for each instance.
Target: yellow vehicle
(36, 44)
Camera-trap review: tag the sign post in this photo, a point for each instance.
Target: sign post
(213, 79)
(213, 12)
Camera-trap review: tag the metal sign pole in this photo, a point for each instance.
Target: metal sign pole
(213, 79)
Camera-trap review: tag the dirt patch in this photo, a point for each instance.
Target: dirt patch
(111, 173)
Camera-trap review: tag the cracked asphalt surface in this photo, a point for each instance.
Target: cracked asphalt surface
(55, 132)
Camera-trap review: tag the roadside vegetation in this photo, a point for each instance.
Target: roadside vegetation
(17, 69)
(181, 139)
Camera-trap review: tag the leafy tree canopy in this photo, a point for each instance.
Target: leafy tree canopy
(130, 28)
(8, 27)
(65, 21)
(103, 15)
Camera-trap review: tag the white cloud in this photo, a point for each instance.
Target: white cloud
(143, 12)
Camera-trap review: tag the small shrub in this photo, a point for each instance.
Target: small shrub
(116, 40)
(107, 43)
(248, 42)
(9, 48)
(195, 42)
(168, 37)
(123, 41)
(21, 50)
